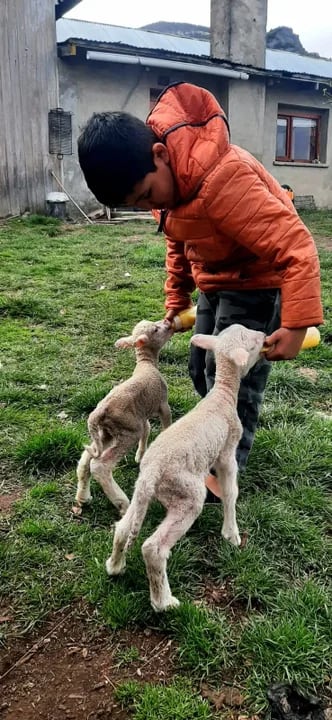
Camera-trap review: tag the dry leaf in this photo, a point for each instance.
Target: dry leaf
(70, 556)
(85, 652)
(76, 510)
(226, 695)
(244, 539)
(5, 618)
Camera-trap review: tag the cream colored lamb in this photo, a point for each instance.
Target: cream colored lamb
(176, 463)
(121, 419)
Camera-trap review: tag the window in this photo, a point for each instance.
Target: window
(59, 132)
(298, 137)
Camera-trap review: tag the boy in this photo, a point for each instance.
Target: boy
(231, 230)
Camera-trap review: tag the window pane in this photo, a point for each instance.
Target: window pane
(304, 139)
(281, 150)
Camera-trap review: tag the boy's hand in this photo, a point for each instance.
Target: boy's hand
(285, 343)
(170, 315)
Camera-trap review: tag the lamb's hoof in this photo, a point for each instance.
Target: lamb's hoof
(82, 499)
(169, 604)
(113, 568)
(232, 535)
(123, 507)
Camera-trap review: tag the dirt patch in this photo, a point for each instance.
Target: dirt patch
(323, 242)
(71, 672)
(310, 373)
(221, 595)
(7, 500)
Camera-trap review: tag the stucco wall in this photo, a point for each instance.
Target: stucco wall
(305, 179)
(87, 87)
(246, 109)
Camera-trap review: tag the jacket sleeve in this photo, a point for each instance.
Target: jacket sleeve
(179, 284)
(241, 206)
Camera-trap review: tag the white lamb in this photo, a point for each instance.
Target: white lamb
(176, 463)
(121, 419)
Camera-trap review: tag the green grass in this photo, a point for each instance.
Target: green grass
(176, 701)
(66, 298)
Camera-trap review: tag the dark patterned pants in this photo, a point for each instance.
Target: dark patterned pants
(255, 309)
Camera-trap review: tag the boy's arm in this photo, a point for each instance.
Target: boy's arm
(179, 284)
(241, 206)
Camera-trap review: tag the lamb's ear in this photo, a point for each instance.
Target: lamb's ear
(240, 356)
(141, 340)
(207, 342)
(125, 342)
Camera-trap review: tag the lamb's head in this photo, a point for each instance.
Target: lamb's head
(152, 335)
(237, 343)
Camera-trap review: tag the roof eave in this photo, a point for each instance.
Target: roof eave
(65, 49)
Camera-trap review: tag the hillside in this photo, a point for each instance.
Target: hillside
(280, 38)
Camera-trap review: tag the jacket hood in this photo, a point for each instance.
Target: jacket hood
(190, 121)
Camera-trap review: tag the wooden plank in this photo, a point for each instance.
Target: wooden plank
(28, 90)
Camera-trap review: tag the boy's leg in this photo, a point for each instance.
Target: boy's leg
(205, 323)
(257, 310)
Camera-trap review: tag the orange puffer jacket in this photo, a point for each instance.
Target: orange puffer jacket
(235, 227)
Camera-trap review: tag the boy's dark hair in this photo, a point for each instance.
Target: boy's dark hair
(115, 152)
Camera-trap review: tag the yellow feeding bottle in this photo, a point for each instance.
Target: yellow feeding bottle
(310, 340)
(185, 319)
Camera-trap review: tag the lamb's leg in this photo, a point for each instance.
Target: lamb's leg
(226, 469)
(116, 563)
(165, 415)
(83, 494)
(156, 549)
(127, 529)
(143, 442)
(102, 472)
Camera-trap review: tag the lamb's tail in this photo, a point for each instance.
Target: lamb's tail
(97, 448)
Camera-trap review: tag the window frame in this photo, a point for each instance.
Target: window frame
(289, 116)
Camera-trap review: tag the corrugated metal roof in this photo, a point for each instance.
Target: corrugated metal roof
(299, 64)
(146, 40)
(130, 37)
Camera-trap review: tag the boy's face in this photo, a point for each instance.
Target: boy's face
(157, 190)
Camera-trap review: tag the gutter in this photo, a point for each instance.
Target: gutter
(169, 64)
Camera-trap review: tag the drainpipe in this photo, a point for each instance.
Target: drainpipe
(169, 64)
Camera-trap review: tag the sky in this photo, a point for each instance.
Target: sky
(312, 21)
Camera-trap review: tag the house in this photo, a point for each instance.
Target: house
(55, 72)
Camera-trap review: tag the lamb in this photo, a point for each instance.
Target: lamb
(176, 463)
(121, 419)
